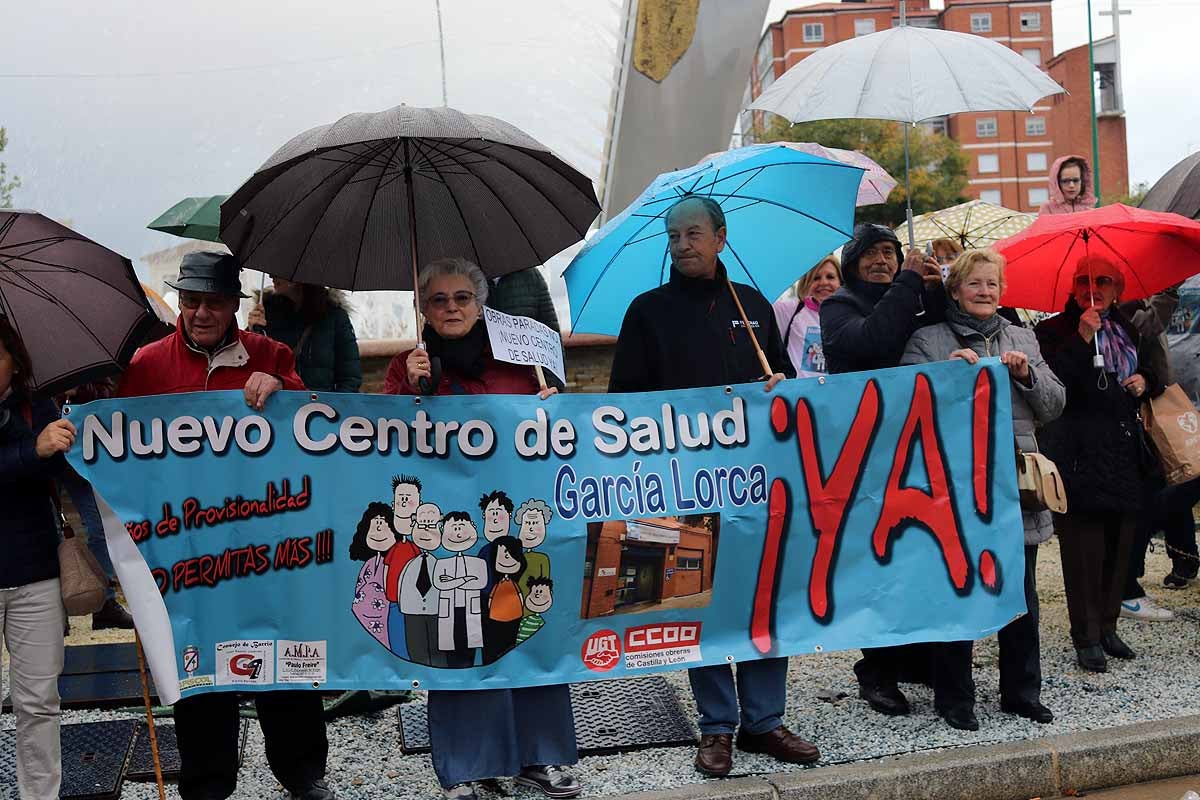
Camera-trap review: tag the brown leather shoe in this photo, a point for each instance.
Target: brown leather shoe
(780, 744)
(715, 755)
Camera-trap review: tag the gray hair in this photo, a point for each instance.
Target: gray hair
(444, 267)
(716, 215)
(535, 505)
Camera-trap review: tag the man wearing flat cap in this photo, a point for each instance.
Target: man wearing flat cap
(208, 352)
(865, 325)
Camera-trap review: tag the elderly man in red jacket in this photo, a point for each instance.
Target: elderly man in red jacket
(209, 352)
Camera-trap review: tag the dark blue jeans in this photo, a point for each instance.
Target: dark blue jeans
(760, 690)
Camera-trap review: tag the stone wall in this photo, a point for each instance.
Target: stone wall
(588, 360)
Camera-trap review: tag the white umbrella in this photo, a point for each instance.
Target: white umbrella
(907, 75)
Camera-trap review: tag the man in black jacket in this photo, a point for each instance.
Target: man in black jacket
(865, 325)
(684, 334)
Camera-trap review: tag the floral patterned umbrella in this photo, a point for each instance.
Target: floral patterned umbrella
(974, 224)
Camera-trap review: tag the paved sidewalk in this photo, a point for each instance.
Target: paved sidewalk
(1172, 789)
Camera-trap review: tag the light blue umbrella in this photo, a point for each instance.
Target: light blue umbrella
(784, 210)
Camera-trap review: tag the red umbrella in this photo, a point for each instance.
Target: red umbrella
(1152, 250)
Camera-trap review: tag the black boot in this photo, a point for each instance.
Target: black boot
(1091, 658)
(111, 615)
(1116, 648)
(961, 718)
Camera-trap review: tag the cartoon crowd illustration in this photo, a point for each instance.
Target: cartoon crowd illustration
(425, 597)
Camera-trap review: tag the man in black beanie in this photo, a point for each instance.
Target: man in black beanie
(865, 325)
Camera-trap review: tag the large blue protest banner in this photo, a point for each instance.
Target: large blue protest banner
(355, 541)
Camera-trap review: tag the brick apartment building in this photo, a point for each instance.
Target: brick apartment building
(639, 563)
(1008, 153)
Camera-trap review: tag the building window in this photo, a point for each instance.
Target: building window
(1035, 126)
(990, 196)
(989, 162)
(1033, 55)
(985, 127)
(1038, 196)
(1031, 21)
(937, 125)
(864, 26)
(981, 23)
(1035, 162)
(689, 563)
(814, 31)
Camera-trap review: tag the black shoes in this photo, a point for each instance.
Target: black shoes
(885, 699)
(1112, 644)
(1031, 710)
(961, 718)
(1176, 581)
(111, 615)
(1091, 658)
(317, 790)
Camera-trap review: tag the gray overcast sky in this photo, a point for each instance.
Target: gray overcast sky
(184, 105)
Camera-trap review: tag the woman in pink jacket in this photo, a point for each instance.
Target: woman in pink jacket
(1070, 186)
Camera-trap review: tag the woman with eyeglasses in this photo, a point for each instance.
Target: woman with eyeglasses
(1070, 186)
(1100, 449)
(485, 733)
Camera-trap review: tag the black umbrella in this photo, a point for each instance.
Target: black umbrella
(1178, 191)
(77, 305)
(362, 203)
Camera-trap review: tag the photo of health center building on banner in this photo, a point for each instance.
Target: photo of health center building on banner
(649, 564)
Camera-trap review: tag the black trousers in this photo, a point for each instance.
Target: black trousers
(1020, 645)
(207, 729)
(948, 664)
(1095, 549)
(1168, 509)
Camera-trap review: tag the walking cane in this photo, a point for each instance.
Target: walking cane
(158, 778)
(762, 358)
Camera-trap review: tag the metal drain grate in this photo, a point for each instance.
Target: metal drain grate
(141, 765)
(94, 756)
(99, 676)
(610, 717)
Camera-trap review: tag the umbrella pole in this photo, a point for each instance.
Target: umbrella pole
(158, 778)
(912, 242)
(412, 243)
(762, 358)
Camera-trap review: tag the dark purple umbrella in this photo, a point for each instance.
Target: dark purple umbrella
(77, 305)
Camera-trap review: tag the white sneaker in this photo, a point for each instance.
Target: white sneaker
(1145, 610)
(461, 791)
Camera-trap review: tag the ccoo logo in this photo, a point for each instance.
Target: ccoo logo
(601, 651)
(247, 665)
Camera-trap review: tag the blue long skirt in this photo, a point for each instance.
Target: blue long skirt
(494, 733)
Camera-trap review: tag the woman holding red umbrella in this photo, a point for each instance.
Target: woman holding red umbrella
(1099, 448)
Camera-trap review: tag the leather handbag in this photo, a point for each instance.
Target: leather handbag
(84, 582)
(1039, 483)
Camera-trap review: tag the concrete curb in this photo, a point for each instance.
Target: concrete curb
(1046, 768)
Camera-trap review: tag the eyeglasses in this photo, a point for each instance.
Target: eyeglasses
(1069, 180)
(1101, 281)
(214, 302)
(441, 301)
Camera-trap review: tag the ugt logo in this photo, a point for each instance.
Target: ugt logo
(601, 651)
(246, 665)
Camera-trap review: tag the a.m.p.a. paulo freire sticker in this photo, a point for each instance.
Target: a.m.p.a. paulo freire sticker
(300, 662)
(662, 644)
(246, 661)
(601, 651)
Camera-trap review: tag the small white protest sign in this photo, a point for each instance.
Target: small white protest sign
(521, 340)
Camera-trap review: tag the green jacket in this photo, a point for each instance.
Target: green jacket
(523, 294)
(327, 360)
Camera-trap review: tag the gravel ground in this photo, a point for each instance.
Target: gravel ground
(1163, 682)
